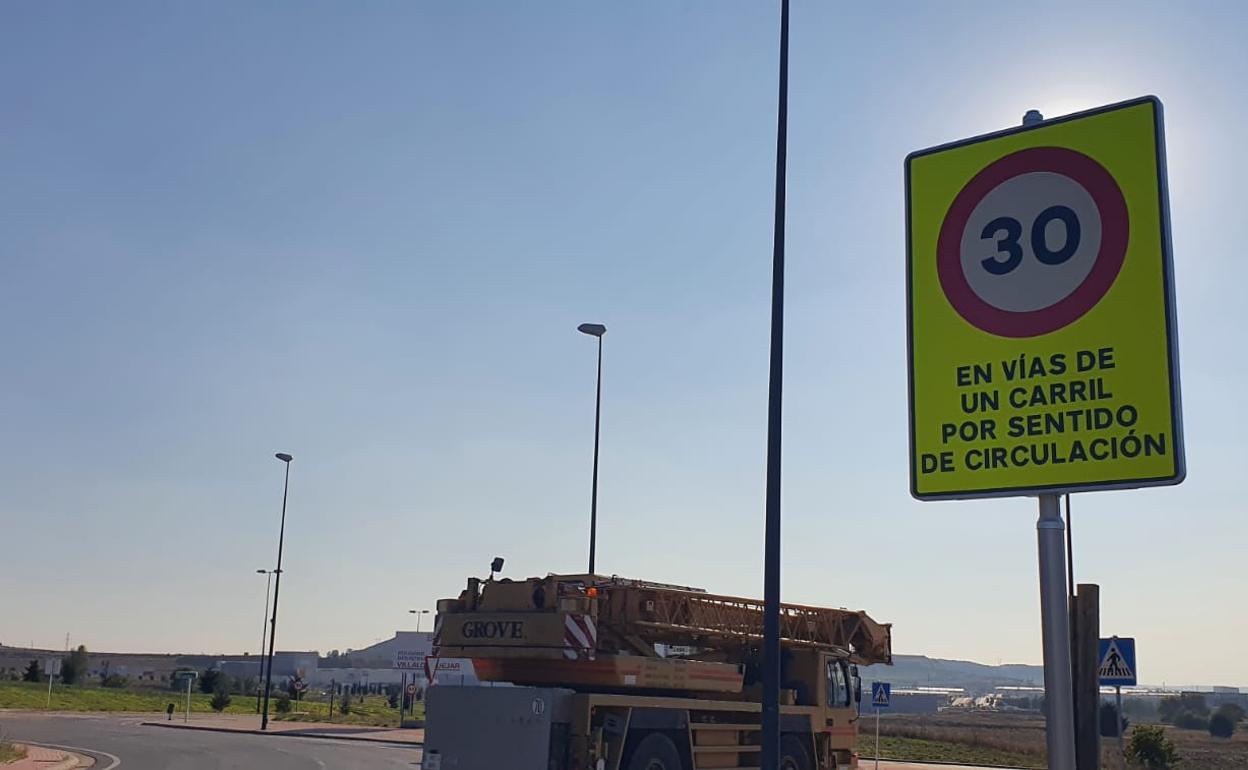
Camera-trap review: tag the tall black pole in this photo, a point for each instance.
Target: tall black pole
(264, 628)
(770, 758)
(277, 588)
(593, 498)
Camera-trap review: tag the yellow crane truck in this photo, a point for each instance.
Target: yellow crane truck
(586, 672)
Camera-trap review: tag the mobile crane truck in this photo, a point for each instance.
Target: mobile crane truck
(606, 673)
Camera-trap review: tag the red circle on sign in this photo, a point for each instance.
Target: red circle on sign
(1115, 230)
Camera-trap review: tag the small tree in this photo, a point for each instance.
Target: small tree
(1108, 713)
(1190, 720)
(74, 666)
(220, 701)
(344, 707)
(1192, 702)
(1151, 748)
(283, 703)
(1232, 711)
(115, 681)
(210, 678)
(32, 672)
(1221, 725)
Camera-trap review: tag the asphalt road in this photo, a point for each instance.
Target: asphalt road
(125, 744)
(121, 742)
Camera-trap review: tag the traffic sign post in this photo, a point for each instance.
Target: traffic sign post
(1116, 666)
(51, 667)
(1042, 352)
(881, 697)
(190, 677)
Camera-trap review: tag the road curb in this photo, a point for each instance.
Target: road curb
(940, 762)
(283, 733)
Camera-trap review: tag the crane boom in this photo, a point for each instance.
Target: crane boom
(671, 615)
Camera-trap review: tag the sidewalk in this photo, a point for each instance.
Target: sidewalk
(238, 723)
(39, 758)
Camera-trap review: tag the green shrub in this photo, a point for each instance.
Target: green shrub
(213, 679)
(283, 704)
(32, 673)
(1221, 726)
(1150, 747)
(1190, 720)
(74, 666)
(344, 707)
(1233, 711)
(220, 701)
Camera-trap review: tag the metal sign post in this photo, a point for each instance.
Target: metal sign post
(881, 698)
(1117, 700)
(190, 677)
(1055, 630)
(51, 667)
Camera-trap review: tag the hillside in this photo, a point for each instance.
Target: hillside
(922, 671)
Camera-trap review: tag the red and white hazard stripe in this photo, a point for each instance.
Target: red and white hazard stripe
(431, 662)
(580, 637)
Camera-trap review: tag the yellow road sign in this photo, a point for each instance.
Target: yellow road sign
(1041, 328)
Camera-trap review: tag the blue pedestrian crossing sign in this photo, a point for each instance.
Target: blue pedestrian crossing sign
(1117, 662)
(881, 693)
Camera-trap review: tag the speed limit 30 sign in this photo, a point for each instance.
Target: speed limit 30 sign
(1042, 353)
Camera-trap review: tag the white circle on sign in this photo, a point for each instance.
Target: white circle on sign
(998, 246)
(539, 706)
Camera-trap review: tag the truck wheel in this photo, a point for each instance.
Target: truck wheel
(655, 752)
(793, 754)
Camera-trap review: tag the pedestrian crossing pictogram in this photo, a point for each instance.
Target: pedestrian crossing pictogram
(1117, 662)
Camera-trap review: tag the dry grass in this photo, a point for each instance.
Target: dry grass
(10, 752)
(1201, 750)
(1022, 736)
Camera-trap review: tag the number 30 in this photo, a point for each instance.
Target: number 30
(1013, 230)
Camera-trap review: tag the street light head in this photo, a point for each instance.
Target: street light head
(593, 330)
(283, 457)
(496, 565)
(262, 572)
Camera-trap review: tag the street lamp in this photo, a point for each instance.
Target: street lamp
(418, 613)
(277, 587)
(264, 623)
(595, 330)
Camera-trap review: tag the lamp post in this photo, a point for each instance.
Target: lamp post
(264, 626)
(277, 587)
(418, 613)
(595, 330)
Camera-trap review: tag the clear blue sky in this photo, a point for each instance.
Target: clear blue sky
(366, 235)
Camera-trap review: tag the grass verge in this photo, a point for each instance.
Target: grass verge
(926, 750)
(370, 710)
(34, 696)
